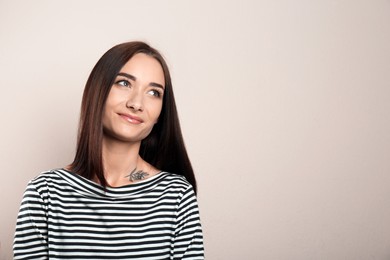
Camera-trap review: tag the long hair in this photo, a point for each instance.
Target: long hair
(163, 148)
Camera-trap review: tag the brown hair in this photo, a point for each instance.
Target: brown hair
(163, 148)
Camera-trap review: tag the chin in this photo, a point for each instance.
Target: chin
(125, 136)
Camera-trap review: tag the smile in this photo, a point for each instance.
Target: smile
(131, 119)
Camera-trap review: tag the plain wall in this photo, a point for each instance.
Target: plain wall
(284, 107)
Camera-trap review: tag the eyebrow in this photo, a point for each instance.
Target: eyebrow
(129, 76)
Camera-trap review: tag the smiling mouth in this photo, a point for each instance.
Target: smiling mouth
(131, 119)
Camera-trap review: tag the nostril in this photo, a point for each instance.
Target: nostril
(134, 106)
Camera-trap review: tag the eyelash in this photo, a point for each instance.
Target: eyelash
(156, 93)
(120, 83)
(126, 83)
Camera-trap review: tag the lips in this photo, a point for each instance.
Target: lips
(131, 119)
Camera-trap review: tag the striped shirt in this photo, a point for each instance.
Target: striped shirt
(65, 216)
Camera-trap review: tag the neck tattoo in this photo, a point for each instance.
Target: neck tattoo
(137, 175)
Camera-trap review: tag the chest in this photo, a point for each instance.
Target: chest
(121, 226)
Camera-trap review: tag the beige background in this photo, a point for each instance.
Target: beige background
(284, 106)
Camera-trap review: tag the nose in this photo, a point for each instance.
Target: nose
(135, 101)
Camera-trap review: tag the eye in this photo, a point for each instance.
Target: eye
(155, 93)
(123, 82)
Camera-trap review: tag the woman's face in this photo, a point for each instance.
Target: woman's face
(135, 100)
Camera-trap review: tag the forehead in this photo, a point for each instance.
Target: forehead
(144, 68)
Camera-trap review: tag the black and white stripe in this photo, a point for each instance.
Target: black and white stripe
(65, 216)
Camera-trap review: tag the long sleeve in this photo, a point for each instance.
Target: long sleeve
(30, 241)
(65, 216)
(188, 242)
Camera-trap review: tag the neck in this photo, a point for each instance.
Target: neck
(119, 159)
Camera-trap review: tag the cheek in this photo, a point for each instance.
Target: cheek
(108, 109)
(114, 99)
(157, 113)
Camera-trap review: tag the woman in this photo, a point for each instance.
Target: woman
(130, 191)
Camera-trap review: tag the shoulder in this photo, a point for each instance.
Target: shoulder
(174, 180)
(44, 177)
(174, 184)
(43, 180)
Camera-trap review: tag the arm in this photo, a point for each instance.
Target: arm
(188, 242)
(30, 241)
